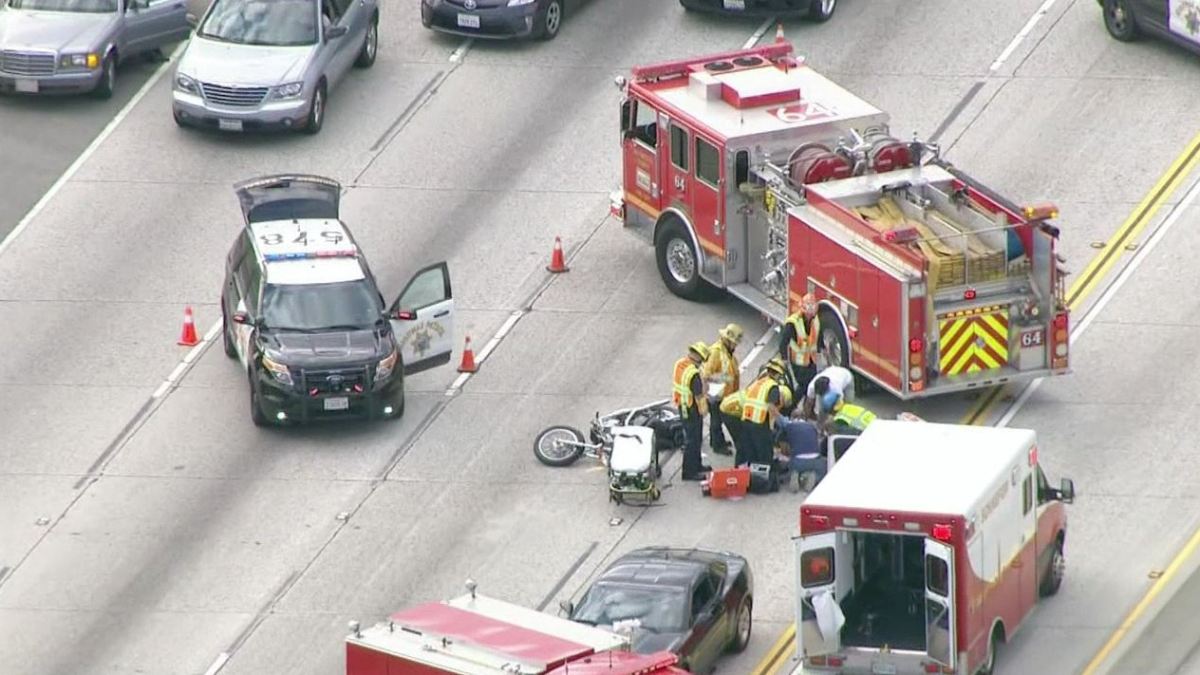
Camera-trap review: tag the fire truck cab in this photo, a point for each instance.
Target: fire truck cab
(477, 635)
(925, 549)
(753, 174)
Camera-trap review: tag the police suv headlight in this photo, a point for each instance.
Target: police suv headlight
(278, 370)
(88, 60)
(384, 370)
(187, 84)
(289, 90)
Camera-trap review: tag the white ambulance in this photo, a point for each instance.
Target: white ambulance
(924, 549)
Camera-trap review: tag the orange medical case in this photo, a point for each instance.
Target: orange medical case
(727, 482)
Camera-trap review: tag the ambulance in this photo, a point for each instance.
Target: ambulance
(925, 549)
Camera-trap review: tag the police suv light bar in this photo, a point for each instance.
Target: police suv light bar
(308, 255)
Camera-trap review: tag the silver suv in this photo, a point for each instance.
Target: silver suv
(259, 64)
(76, 45)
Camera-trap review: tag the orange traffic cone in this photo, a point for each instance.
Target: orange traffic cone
(779, 32)
(557, 264)
(188, 337)
(468, 358)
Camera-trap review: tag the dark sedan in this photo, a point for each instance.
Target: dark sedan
(814, 10)
(695, 603)
(1176, 21)
(500, 19)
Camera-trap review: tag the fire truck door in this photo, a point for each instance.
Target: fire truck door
(676, 163)
(708, 196)
(640, 128)
(818, 625)
(939, 602)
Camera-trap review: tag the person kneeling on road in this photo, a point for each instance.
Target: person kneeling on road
(833, 380)
(722, 373)
(688, 395)
(798, 448)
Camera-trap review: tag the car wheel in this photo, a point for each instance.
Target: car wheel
(820, 11)
(1119, 20)
(551, 20)
(108, 78)
(316, 111)
(256, 413)
(366, 57)
(226, 341)
(743, 627)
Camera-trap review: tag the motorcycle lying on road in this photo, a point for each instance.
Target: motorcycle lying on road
(563, 445)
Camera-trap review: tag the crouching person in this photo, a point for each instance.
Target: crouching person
(798, 450)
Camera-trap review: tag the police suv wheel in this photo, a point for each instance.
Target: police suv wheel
(820, 11)
(226, 341)
(256, 413)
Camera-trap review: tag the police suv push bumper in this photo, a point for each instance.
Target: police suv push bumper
(315, 393)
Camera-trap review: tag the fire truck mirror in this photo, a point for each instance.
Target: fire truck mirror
(1066, 492)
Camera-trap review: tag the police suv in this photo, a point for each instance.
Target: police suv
(303, 314)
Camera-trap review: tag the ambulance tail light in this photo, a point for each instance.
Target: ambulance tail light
(942, 532)
(937, 668)
(826, 661)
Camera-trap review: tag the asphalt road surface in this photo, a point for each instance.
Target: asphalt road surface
(166, 534)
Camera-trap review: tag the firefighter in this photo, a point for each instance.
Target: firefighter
(763, 399)
(731, 412)
(798, 342)
(690, 398)
(851, 416)
(722, 369)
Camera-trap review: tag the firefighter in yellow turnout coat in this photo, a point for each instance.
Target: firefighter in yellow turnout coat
(689, 396)
(721, 369)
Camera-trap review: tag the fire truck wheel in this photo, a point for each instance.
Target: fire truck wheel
(678, 263)
(1119, 20)
(820, 11)
(550, 20)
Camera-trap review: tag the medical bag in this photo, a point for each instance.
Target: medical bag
(764, 479)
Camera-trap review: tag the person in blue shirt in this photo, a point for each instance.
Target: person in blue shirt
(798, 444)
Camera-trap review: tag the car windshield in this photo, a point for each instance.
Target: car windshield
(658, 609)
(88, 6)
(345, 305)
(278, 23)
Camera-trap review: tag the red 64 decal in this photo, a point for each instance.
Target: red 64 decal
(799, 113)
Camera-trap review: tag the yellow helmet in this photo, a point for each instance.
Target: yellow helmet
(776, 367)
(732, 332)
(699, 349)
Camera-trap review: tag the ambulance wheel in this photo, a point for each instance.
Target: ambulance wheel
(558, 445)
(821, 11)
(989, 664)
(655, 493)
(1054, 571)
(1119, 20)
(745, 624)
(679, 263)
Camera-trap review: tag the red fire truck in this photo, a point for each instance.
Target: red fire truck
(753, 174)
(926, 548)
(477, 635)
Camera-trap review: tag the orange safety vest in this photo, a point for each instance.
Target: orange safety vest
(757, 402)
(685, 370)
(722, 368)
(803, 348)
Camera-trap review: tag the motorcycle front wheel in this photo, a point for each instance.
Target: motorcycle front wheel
(558, 445)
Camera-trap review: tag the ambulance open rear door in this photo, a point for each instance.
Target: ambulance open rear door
(818, 619)
(939, 602)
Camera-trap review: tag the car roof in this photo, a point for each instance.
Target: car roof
(306, 251)
(658, 567)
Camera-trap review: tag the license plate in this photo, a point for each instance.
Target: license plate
(883, 669)
(337, 403)
(230, 125)
(1033, 338)
(27, 86)
(735, 4)
(468, 20)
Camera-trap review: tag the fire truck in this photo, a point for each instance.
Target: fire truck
(477, 635)
(753, 174)
(925, 549)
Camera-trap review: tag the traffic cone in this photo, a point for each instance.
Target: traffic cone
(779, 32)
(557, 264)
(468, 358)
(188, 337)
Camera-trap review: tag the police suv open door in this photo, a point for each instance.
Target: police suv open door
(939, 602)
(818, 618)
(287, 196)
(423, 319)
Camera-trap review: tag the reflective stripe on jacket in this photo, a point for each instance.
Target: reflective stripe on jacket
(756, 405)
(685, 370)
(732, 404)
(721, 367)
(803, 348)
(854, 416)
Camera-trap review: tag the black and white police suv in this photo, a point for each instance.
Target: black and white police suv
(303, 314)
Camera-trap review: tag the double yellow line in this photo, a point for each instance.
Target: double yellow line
(1083, 286)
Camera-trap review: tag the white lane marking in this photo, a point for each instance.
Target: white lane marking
(458, 54)
(762, 30)
(759, 345)
(89, 150)
(185, 363)
(1111, 291)
(179, 368)
(218, 664)
(1012, 46)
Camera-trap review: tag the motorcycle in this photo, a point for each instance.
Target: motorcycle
(563, 445)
